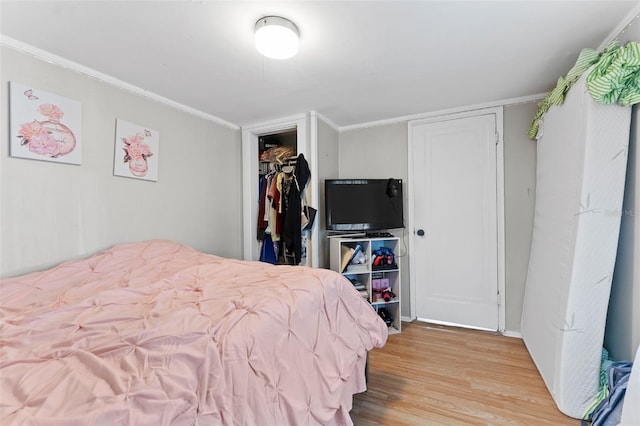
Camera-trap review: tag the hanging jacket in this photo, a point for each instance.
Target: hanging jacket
(262, 224)
(291, 232)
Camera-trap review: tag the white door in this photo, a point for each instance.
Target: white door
(455, 221)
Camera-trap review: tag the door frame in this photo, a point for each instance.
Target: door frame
(501, 274)
(250, 145)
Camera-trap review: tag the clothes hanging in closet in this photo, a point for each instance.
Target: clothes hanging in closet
(268, 231)
(280, 210)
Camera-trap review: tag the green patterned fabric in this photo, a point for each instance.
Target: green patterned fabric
(615, 77)
(603, 389)
(586, 58)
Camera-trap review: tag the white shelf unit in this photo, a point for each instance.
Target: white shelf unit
(366, 273)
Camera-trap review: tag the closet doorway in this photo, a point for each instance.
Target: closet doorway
(289, 130)
(277, 174)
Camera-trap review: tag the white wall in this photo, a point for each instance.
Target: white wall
(51, 212)
(328, 155)
(520, 194)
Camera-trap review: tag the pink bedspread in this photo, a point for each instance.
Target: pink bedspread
(157, 333)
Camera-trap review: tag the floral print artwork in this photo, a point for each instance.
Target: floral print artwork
(44, 126)
(136, 153)
(135, 147)
(48, 137)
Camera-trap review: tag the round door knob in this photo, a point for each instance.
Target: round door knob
(420, 232)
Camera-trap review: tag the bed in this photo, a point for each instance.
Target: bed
(158, 333)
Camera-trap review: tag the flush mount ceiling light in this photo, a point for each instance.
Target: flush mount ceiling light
(276, 37)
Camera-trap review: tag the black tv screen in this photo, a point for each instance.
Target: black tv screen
(363, 204)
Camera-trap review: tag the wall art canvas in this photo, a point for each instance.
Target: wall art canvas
(136, 151)
(43, 125)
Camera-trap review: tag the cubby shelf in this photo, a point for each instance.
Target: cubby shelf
(366, 274)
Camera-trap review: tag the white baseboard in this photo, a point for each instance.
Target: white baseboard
(506, 333)
(510, 333)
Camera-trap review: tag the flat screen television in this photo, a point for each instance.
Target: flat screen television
(363, 204)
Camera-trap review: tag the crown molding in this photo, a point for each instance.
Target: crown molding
(281, 123)
(327, 121)
(406, 118)
(107, 79)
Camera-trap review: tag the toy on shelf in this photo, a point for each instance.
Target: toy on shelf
(388, 295)
(386, 316)
(383, 258)
(385, 295)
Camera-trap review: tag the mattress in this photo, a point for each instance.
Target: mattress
(581, 165)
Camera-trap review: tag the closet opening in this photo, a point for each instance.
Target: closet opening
(283, 175)
(290, 133)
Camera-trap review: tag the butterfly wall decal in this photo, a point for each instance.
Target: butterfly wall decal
(29, 94)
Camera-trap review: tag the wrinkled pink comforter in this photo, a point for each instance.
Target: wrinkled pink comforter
(157, 333)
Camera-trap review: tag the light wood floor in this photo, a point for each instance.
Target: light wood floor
(436, 375)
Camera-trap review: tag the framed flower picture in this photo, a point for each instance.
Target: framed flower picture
(136, 151)
(44, 126)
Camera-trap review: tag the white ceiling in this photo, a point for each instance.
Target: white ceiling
(359, 61)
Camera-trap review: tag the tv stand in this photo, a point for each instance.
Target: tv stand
(378, 234)
(370, 277)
